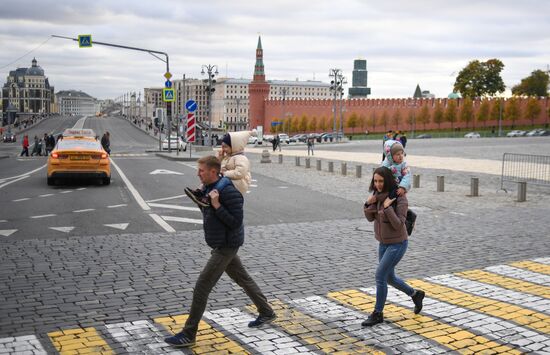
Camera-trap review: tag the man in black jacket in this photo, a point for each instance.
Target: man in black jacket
(224, 233)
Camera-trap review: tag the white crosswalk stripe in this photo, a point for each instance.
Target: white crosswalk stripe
(139, 337)
(487, 326)
(261, 339)
(498, 293)
(27, 344)
(520, 274)
(350, 320)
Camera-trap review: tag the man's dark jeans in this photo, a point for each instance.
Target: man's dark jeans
(222, 259)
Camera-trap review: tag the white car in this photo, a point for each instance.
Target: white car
(283, 138)
(516, 133)
(472, 135)
(175, 143)
(252, 140)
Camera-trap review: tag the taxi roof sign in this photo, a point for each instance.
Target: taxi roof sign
(74, 132)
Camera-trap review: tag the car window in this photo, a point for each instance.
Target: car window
(70, 144)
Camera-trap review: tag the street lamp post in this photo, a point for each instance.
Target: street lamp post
(212, 71)
(337, 89)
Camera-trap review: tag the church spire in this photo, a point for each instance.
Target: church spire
(259, 74)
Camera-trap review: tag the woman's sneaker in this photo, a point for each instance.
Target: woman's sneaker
(198, 197)
(180, 340)
(261, 320)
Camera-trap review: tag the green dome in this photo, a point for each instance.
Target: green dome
(454, 95)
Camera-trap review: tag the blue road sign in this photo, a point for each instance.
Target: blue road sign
(84, 41)
(168, 84)
(191, 105)
(275, 123)
(168, 95)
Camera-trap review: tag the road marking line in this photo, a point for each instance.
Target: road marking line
(251, 185)
(25, 343)
(141, 202)
(506, 282)
(263, 340)
(533, 266)
(121, 226)
(162, 223)
(182, 219)
(45, 195)
(85, 210)
(188, 165)
(454, 338)
(3, 220)
(521, 274)
(139, 337)
(43, 216)
(348, 319)
(211, 339)
(25, 174)
(116, 206)
(487, 326)
(522, 316)
(282, 187)
(15, 180)
(81, 188)
(62, 229)
(7, 232)
(22, 199)
(175, 207)
(77, 341)
(66, 192)
(166, 198)
(298, 324)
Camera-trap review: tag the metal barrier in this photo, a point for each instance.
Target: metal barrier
(532, 169)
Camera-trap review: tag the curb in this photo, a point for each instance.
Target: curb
(177, 158)
(4, 156)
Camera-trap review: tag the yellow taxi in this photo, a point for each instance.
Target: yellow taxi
(79, 154)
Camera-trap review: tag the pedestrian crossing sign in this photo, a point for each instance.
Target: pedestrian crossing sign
(168, 95)
(85, 41)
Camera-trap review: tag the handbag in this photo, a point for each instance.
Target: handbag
(410, 221)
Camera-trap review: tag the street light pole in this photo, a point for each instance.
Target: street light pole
(209, 68)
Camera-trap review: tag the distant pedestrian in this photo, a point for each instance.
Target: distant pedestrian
(274, 143)
(403, 140)
(106, 142)
(224, 233)
(310, 145)
(389, 215)
(37, 148)
(25, 144)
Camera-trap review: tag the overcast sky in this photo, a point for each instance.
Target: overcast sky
(404, 42)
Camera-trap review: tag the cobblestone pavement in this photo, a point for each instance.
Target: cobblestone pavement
(483, 262)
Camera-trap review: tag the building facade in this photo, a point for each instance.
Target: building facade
(359, 81)
(73, 102)
(28, 91)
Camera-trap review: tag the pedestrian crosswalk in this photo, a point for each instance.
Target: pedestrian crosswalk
(500, 309)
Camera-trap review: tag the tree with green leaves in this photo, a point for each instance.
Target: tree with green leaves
(312, 125)
(439, 115)
(467, 111)
(479, 79)
(424, 116)
(533, 110)
(483, 112)
(450, 112)
(535, 84)
(383, 121)
(302, 125)
(352, 121)
(512, 111)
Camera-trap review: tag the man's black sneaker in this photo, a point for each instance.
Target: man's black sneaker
(261, 320)
(374, 318)
(197, 196)
(180, 340)
(417, 299)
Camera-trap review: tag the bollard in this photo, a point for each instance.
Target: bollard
(522, 191)
(265, 157)
(330, 167)
(308, 163)
(319, 164)
(474, 187)
(280, 158)
(416, 181)
(297, 161)
(344, 168)
(440, 183)
(358, 171)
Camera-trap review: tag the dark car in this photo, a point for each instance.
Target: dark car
(424, 136)
(9, 137)
(544, 133)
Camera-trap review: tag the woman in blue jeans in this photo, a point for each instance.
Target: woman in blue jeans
(389, 212)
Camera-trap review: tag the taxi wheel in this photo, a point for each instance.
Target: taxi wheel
(51, 181)
(106, 181)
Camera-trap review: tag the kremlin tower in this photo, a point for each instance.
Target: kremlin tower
(258, 90)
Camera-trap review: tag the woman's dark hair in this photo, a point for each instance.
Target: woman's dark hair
(389, 180)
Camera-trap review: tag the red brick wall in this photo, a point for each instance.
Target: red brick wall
(323, 108)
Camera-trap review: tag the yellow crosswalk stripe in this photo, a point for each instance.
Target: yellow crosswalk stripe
(523, 316)
(506, 282)
(533, 266)
(448, 336)
(312, 331)
(80, 341)
(209, 340)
